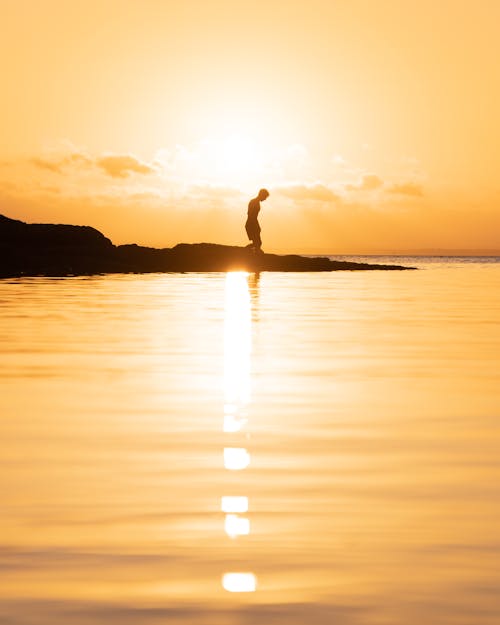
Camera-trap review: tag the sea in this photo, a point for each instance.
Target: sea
(245, 449)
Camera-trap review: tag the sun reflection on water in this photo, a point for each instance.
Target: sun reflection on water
(236, 458)
(239, 582)
(237, 344)
(235, 525)
(237, 358)
(234, 504)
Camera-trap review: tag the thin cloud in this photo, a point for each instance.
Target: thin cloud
(213, 192)
(114, 165)
(407, 188)
(303, 192)
(57, 166)
(368, 182)
(122, 166)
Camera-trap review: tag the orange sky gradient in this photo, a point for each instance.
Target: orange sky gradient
(375, 125)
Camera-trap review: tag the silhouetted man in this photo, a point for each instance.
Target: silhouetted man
(252, 225)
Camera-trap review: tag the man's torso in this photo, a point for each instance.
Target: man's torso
(253, 209)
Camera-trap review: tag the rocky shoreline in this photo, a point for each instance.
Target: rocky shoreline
(64, 250)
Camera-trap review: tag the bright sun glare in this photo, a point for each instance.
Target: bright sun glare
(237, 154)
(234, 159)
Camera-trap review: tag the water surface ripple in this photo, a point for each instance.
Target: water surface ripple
(367, 405)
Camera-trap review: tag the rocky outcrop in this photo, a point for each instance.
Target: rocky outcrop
(62, 250)
(56, 250)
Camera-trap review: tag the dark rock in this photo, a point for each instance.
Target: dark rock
(61, 250)
(46, 236)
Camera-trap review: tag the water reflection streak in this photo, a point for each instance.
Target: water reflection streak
(237, 359)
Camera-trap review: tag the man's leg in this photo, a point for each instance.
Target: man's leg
(257, 242)
(250, 235)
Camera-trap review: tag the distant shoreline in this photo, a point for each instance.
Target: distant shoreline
(414, 254)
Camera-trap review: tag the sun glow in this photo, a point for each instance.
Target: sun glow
(236, 154)
(233, 159)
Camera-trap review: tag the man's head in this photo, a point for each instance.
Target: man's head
(263, 194)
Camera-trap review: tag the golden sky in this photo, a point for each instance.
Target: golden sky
(375, 124)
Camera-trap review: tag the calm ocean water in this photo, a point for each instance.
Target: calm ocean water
(232, 449)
